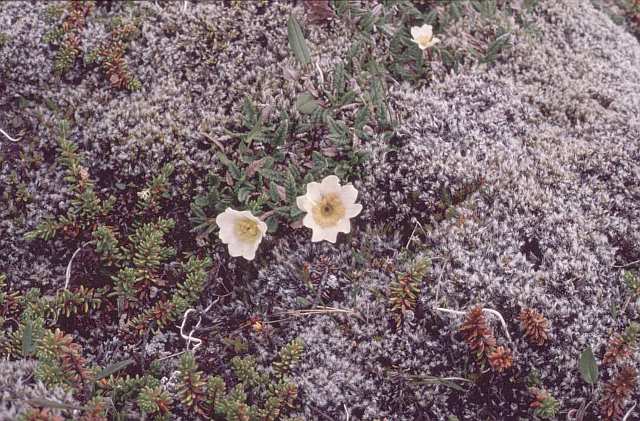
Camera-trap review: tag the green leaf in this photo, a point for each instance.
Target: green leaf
(256, 133)
(454, 11)
(338, 131)
(342, 6)
(297, 42)
(281, 133)
(361, 118)
(113, 368)
(233, 169)
(366, 23)
(243, 193)
(295, 212)
(307, 104)
(339, 78)
(273, 191)
(290, 186)
(28, 347)
(588, 366)
(320, 163)
(249, 114)
(500, 43)
(272, 224)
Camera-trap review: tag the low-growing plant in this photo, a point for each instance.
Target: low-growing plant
(616, 393)
(405, 289)
(477, 333)
(534, 325)
(621, 346)
(258, 394)
(110, 56)
(130, 252)
(67, 36)
(544, 405)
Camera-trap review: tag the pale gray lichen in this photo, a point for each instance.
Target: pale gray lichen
(17, 387)
(552, 130)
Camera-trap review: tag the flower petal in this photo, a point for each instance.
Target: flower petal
(426, 30)
(262, 226)
(225, 222)
(415, 32)
(243, 249)
(353, 210)
(330, 184)
(308, 221)
(226, 234)
(331, 234)
(236, 248)
(316, 235)
(304, 204)
(249, 251)
(349, 194)
(344, 226)
(328, 234)
(314, 191)
(222, 219)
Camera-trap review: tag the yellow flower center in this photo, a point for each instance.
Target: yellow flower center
(423, 39)
(328, 211)
(247, 229)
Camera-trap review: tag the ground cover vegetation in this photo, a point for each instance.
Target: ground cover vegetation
(124, 303)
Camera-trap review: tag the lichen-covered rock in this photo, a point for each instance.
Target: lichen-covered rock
(525, 177)
(17, 386)
(519, 181)
(196, 65)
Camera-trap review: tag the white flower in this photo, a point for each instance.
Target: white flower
(423, 36)
(242, 231)
(329, 207)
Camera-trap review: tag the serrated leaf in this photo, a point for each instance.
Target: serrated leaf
(290, 186)
(113, 368)
(348, 98)
(366, 23)
(257, 133)
(361, 118)
(337, 131)
(341, 6)
(496, 46)
(243, 193)
(272, 224)
(249, 114)
(233, 168)
(274, 193)
(295, 212)
(588, 366)
(28, 346)
(307, 104)
(338, 78)
(255, 166)
(281, 133)
(297, 43)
